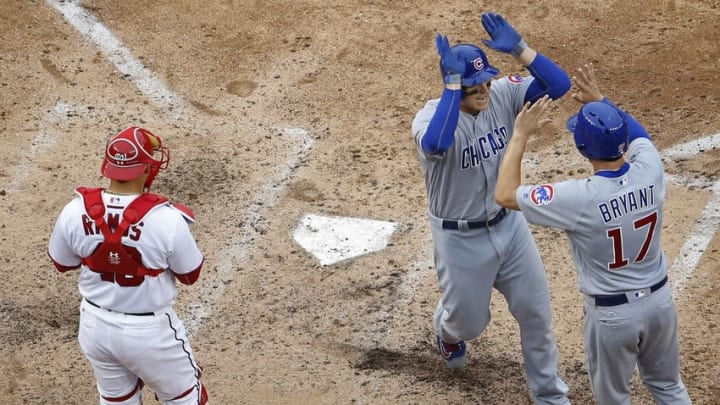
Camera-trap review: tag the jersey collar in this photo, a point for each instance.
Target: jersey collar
(614, 173)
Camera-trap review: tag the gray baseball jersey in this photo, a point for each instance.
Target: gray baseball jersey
(613, 223)
(469, 169)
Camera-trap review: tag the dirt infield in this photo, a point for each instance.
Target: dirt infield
(276, 109)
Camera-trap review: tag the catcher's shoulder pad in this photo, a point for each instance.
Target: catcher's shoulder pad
(144, 204)
(87, 190)
(92, 199)
(111, 256)
(185, 211)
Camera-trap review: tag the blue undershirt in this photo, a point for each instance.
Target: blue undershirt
(550, 79)
(635, 128)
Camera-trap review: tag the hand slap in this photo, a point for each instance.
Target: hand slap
(451, 63)
(588, 89)
(532, 117)
(503, 35)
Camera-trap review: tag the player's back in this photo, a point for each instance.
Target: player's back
(161, 240)
(613, 221)
(616, 242)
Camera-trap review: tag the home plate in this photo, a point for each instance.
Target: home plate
(334, 239)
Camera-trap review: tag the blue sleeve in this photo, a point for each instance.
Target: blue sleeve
(635, 128)
(440, 133)
(550, 79)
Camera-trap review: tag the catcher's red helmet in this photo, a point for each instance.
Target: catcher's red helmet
(131, 152)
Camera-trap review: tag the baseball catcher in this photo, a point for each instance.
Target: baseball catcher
(131, 246)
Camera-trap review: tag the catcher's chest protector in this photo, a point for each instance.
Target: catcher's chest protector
(111, 256)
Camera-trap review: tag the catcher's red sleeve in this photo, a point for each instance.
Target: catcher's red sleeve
(62, 268)
(190, 278)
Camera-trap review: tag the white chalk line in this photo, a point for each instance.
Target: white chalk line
(691, 252)
(43, 141)
(153, 88)
(692, 148)
(263, 201)
(120, 56)
(688, 258)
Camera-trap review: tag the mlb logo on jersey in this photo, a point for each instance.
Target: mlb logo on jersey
(542, 195)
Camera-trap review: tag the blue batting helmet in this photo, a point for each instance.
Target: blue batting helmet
(477, 68)
(600, 131)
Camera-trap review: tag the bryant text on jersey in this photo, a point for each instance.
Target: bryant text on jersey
(638, 199)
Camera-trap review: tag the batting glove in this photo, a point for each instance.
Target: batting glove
(504, 37)
(452, 64)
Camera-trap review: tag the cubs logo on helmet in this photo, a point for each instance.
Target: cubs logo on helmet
(477, 68)
(478, 64)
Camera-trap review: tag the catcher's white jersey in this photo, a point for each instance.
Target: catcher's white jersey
(162, 238)
(612, 254)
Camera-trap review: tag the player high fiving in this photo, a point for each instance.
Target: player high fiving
(478, 245)
(613, 220)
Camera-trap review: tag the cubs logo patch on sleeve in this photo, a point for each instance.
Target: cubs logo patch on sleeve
(516, 79)
(542, 195)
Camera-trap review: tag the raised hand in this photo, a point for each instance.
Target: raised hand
(532, 117)
(503, 35)
(451, 63)
(588, 89)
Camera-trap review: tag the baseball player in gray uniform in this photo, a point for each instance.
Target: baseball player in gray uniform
(131, 247)
(478, 245)
(613, 220)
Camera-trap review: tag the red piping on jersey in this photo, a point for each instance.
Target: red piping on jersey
(184, 393)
